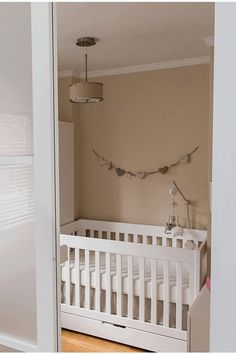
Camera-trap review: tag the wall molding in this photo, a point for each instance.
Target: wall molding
(148, 67)
(17, 344)
(65, 73)
(138, 68)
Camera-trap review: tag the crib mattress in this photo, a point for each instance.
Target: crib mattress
(136, 285)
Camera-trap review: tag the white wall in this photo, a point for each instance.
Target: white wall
(223, 293)
(67, 170)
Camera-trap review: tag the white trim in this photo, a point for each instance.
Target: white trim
(65, 73)
(137, 68)
(148, 67)
(57, 191)
(209, 41)
(44, 120)
(17, 344)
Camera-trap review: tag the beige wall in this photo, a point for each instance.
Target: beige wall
(64, 105)
(147, 120)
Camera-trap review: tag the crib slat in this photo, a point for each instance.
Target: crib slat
(154, 291)
(87, 279)
(126, 237)
(117, 236)
(179, 299)
(68, 279)
(98, 284)
(191, 284)
(174, 242)
(108, 283)
(154, 240)
(197, 275)
(145, 239)
(77, 277)
(119, 285)
(135, 238)
(141, 290)
(164, 241)
(166, 303)
(130, 287)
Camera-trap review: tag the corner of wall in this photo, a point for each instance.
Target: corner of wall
(69, 112)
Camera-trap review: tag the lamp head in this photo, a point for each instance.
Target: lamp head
(173, 190)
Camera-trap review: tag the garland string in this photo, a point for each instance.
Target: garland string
(185, 159)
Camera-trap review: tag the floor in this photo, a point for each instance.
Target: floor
(77, 342)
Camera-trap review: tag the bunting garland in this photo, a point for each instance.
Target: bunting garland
(185, 159)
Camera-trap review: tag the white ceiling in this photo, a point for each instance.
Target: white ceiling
(132, 33)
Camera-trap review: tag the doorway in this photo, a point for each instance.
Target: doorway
(153, 110)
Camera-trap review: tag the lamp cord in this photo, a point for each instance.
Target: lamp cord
(86, 65)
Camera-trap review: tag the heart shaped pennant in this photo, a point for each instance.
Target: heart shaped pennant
(185, 159)
(120, 172)
(163, 170)
(141, 174)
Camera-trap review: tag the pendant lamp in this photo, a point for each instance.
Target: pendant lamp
(86, 91)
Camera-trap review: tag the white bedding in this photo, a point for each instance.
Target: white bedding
(148, 292)
(160, 289)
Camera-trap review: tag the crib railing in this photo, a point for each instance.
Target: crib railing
(134, 233)
(181, 257)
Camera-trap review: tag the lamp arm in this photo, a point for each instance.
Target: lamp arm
(187, 201)
(181, 193)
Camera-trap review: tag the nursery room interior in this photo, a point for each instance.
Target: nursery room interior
(135, 126)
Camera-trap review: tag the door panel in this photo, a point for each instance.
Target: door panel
(17, 229)
(28, 240)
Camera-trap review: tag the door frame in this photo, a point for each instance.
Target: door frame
(223, 242)
(45, 132)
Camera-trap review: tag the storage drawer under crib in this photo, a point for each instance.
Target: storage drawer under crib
(123, 334)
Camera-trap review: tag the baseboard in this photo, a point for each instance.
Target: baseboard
(17, 344)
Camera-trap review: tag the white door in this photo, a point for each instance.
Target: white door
(28, 212)
(223, 262)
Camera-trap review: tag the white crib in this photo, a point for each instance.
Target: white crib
(131, 283)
